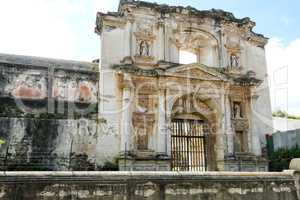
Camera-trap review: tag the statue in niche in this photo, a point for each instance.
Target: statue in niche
(234, 61)
(144, 48)
(237, 110)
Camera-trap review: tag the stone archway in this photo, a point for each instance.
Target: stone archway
(193, 134)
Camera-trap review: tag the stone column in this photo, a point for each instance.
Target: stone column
(221, 50)
(166, 43)
(161, 41)
(161, 132)
(255, 141)
(229, 131)
(220, 133)
(126, 121)
(127, 40)
(170, 100)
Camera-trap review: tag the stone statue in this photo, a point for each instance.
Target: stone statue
(144, 48)
(237, 111)
(234, 61)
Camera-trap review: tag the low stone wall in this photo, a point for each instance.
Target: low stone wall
(148, 185)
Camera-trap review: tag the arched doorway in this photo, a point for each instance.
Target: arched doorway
(191, 138)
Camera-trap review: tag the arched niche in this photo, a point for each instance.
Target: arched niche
(191, 107)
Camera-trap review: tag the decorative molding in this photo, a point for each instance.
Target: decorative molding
(145, 36)
(240, 124)
(110, 24)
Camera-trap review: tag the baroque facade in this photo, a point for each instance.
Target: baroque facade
(142, 109)
(171, 112)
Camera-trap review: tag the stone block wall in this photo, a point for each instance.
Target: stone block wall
(146, 185)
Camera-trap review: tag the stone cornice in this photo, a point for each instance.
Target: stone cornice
(220, 16)
(220, 74)
(109, 19)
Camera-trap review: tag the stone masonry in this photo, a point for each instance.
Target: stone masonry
(139, 108)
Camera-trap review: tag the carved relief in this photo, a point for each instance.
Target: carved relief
(27, 86)
(195, 72)
(144, 115)
(240, 124)
(74, 89)
(145, 26)
(143, 124)
(190, 104)
(111, 24)
(192, 42)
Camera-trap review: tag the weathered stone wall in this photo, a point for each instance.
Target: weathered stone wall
(50, 144)
(152, 186)
(287, 140)
(49, 116)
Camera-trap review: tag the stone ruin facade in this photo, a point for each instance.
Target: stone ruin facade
(139, 108)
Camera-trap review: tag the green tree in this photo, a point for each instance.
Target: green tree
(280, 159)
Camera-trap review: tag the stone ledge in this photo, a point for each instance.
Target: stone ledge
(295, 164)
(285, 175)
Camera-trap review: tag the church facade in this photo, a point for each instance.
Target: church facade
(201, 116)
(150, 112)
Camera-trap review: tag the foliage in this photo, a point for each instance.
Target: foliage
(109, 166)
(280, 159)
(283, 114)
(2, 142)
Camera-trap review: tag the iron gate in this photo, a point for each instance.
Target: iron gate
(189, 145)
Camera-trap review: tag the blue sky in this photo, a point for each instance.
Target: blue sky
(65, 29)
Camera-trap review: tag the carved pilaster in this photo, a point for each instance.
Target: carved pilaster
(229, 130)
(161, 137)
(126, 122)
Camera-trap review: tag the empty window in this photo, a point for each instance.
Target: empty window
(186, 57)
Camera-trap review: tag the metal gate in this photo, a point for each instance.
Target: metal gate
(189, 145)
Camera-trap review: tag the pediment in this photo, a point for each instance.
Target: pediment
(196, 71)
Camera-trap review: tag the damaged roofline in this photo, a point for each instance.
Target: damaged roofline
(217, 14)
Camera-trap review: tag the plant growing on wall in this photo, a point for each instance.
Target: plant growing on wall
(2, 142)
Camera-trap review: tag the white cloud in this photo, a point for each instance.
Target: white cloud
(37, 28)
(284, 70)
(105, 6)
(52, 28)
